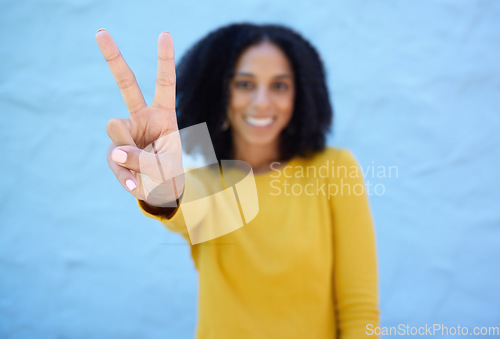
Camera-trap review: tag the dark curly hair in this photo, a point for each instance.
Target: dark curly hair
(205, 72)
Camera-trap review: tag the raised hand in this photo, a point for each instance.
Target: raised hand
(145, 151)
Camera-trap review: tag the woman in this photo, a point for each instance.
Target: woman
(305, 266)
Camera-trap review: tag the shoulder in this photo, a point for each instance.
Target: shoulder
(335, 163)
(333, 156)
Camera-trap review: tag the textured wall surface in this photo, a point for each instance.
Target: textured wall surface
(415, 84)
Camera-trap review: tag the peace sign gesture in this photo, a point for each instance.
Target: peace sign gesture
(145, 150)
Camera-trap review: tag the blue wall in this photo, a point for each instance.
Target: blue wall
(415, 84)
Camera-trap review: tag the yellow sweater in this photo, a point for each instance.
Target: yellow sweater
(305, 267)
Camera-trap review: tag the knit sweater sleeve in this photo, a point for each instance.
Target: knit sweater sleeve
(355, 263)
(176, 221)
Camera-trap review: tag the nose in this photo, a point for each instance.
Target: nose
(261, 100)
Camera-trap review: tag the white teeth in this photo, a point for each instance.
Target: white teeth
(259, 122)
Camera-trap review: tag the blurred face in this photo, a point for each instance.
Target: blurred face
(262, 95)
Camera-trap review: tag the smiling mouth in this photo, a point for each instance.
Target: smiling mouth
(259, 122)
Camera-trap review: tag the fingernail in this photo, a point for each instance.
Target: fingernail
(130, 184)
(100, 29)
(119, 156)
(164, 32)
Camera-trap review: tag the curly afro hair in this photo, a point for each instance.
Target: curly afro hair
(205, 72)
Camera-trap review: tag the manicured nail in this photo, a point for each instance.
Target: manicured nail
(119, 156)
(130, 184)
(100, 29)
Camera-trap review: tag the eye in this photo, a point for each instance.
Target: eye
(280, 86)
(243, 84)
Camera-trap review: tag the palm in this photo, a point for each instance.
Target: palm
(149, 124)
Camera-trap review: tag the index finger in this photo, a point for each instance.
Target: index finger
(122, 73)
(165, 75)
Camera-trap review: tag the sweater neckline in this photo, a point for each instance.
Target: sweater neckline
(276, 169)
